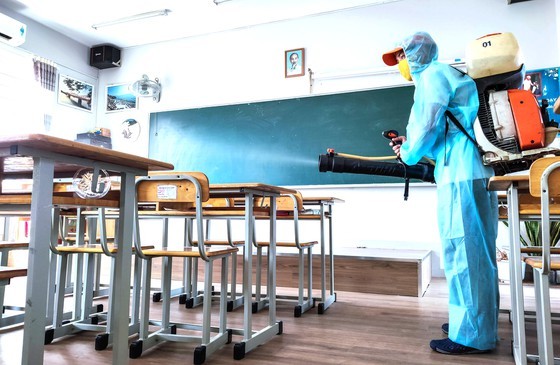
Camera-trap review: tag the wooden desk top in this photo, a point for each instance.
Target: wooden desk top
(234, 190)
(314, 200)
(11, 272)
(502, 183)
(16, 161)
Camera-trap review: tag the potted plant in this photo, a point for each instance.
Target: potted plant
(533, 235)
(530, 236)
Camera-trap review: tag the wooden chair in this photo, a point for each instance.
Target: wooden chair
(212, 209)
(181, 194)
(188, 292)
(68, 237)
(289, 207)
(86, 316)
(544, 183)
(19, 202)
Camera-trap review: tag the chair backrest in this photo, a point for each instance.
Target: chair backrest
(173, 193)
(284, 203)
(535, 174)
(544, 182)
(182, 191)
(219, 202)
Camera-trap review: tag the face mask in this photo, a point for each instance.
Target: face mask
(405, 70)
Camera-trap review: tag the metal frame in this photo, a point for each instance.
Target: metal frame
(45, 151)
(168, 330)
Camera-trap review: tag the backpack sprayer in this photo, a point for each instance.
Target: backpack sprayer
(511, 129)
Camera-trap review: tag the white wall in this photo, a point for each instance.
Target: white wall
(72, 59)
(247, 65)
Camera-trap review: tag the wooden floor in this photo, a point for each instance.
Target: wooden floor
(357, 329)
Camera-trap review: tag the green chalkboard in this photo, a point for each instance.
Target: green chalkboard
(279, 142)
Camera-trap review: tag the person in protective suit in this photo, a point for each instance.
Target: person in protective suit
(467, 211)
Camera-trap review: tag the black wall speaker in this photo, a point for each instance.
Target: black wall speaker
(105, 57)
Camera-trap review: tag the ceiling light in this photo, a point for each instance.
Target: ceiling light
(131, 18)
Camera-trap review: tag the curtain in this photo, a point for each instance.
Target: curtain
(45, 73)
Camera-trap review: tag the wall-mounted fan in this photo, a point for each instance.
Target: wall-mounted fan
(91, 184)
(146, 87)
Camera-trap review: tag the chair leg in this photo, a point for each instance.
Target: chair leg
(145, 299)
(258, 275)
(544, 325)
(207, 302)
(3, 262)
(223, 293)
(310, 274)
(301, 278)
(187, 275)
(60, 290)
(78, 284)
(137, 284)
(167, 264)
(233, 286)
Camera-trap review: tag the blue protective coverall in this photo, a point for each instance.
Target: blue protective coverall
(467, 211)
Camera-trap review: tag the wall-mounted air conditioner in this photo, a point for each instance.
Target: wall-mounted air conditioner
(12, 31)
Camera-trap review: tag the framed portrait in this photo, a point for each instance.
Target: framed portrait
(294, 61)
(119, 98)
(74, 93)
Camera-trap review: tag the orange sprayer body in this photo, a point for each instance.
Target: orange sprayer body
(528, 119)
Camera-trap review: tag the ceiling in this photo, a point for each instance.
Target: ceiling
(187, 18)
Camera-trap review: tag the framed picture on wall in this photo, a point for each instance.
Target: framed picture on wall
(74, 93)
(533, 82)
(119, 98)
(294, 61)
(545, 85)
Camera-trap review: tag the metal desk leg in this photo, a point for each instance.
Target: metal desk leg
(326, 300)
(516, 285)
(120, 309)
(252, 340)
(38, 263)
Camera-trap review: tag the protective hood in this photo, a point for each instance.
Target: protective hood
(420, 50)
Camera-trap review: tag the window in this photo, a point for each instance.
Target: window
(21, 106)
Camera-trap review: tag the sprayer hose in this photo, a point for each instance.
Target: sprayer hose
(379, 158)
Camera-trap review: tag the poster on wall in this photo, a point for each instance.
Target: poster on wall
(294, 62)
(74, 93)
(120, 98)
(544, 84)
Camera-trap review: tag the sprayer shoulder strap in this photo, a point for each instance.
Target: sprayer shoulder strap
(458, 124)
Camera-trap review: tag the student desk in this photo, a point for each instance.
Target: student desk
(325, 205)
(248, 191)
(514, 185)
(43, 158)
